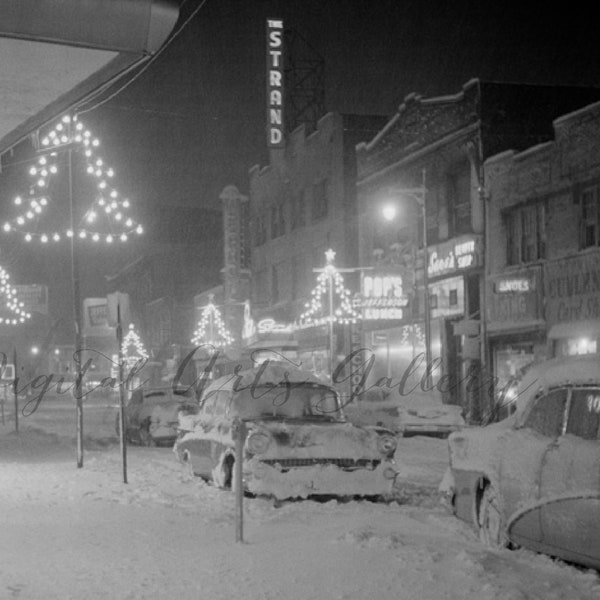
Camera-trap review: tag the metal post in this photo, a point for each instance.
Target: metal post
(15, 392)
(426, 288)
(331, 340)
(122, 436)
(239, 434)
(77, 392)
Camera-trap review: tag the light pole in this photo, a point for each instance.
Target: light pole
(389, 212)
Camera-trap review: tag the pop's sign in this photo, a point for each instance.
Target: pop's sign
(275, 83)
(382, 297)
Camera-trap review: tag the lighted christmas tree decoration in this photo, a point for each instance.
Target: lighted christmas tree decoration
(211, 328)
(133, 348)
(338, 307)
(106, 217)
(13, 312)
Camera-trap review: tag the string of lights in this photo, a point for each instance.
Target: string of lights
(15, 307)
(108, 206)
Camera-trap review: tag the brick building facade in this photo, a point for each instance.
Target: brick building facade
(440, 146)
(544, 237)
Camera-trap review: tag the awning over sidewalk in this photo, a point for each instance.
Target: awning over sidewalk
(56, 52)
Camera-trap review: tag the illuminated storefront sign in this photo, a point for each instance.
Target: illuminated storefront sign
(382, 297)
(513, 285)
(459, 254)
(275, 83)
(270, 326)
(514, 299)
(572, 289)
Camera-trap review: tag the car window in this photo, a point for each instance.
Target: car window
(584, 413)
(301, 402)
(208, 405)
(221, 401)
(547, 414)
(136, 398)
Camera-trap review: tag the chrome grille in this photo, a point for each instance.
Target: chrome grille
(342, 463)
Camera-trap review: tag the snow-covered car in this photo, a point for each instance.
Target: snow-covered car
(151, 414)
(533, 479)
(298, 442)
(410, 415)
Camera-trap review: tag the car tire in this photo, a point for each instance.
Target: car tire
(222, 475)
(146, 438)
(492, 525)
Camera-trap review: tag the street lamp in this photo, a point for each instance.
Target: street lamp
(389, 213)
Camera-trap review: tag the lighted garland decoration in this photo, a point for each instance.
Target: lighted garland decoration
(211, 323)
(344, 313)
(412, 334)
(19, 315)
(71, 131)
(132, 340)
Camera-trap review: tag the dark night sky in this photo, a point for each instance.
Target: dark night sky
(194, 121)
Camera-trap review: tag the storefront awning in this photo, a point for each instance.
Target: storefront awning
(578, 329)
(57, 52)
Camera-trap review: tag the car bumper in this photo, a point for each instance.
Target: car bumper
(324, 480)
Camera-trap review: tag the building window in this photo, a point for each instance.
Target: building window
(261, 288)
(526, 239)
(319, 201)
(590, 217)
(261, 229)
(277, 222)
(299, 210)
(274, 285)
(458, 190)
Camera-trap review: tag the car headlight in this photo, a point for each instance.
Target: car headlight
(386, 444)
(258, 443)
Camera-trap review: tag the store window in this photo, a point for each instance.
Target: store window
(526, 234)
(590, 217)
(547, 414)
(575, 346)
(584, 413)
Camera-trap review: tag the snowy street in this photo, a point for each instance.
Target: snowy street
(73, 533)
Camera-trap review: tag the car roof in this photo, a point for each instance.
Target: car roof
(275, 373)
(574, 370)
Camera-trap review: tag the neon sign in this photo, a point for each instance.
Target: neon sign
(455, 256)
(275, 83)
(383, 297)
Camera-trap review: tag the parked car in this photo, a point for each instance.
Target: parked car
(410, 415)
(298, 442)
(533, 479)
(151, 414)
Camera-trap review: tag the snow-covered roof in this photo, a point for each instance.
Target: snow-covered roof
(576, 370)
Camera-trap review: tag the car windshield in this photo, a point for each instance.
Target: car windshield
(288, 402)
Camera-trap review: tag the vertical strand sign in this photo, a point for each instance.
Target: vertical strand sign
(275, 125)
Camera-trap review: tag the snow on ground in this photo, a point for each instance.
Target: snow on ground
(74, 533)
